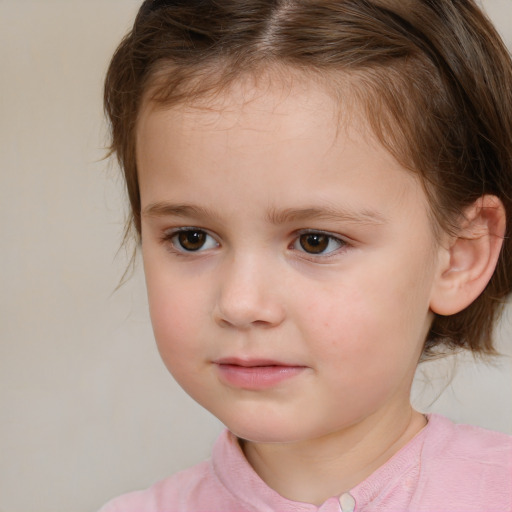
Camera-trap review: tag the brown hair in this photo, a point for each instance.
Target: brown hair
(434, 78)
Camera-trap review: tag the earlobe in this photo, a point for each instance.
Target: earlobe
(467, 262)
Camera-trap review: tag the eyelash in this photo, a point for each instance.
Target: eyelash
(172, 239)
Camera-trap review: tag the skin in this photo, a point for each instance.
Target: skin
(252, 171)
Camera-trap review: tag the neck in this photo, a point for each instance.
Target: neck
(312, 471)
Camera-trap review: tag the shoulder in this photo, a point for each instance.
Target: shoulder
(201, 487)
(465, 467)
(172, 490)
(447, 440)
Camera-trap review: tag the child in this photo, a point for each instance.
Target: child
(321, 190)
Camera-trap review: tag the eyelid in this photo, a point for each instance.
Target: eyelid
(337, 236)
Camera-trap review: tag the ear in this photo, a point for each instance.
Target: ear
(467, 260)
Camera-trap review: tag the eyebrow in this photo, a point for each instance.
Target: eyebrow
(328, 213)
(163, 209)
(274, 215)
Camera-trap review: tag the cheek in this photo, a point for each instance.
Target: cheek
(368, 317)
(347, 311)
(174, 311)
(178, 336)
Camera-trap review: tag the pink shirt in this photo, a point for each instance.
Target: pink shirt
(445, 468)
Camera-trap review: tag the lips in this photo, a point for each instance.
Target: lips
(255, 374)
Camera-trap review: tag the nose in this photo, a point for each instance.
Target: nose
(249, 294)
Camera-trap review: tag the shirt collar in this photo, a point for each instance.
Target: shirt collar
(234, 472)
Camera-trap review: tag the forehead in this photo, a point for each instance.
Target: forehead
(290, 145)
(268, 111)
(275, 89)
(269, 93)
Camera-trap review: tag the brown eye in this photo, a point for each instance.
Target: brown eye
(191, 240)
(318, 243)
(314, 243)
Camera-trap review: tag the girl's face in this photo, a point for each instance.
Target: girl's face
(289, 260)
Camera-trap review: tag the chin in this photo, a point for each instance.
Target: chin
(267, 430)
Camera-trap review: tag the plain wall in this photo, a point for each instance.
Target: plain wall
(87, 409)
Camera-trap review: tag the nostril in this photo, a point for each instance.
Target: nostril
(256, 324)
(261, 323)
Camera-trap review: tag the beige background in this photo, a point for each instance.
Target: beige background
(87, 409)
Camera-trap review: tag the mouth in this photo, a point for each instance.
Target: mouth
(255, 374)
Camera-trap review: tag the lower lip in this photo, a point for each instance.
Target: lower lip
(257, 377)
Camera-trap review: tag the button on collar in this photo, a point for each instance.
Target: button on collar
(347, 502)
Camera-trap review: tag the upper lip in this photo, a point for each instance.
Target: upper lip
(236, 361)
